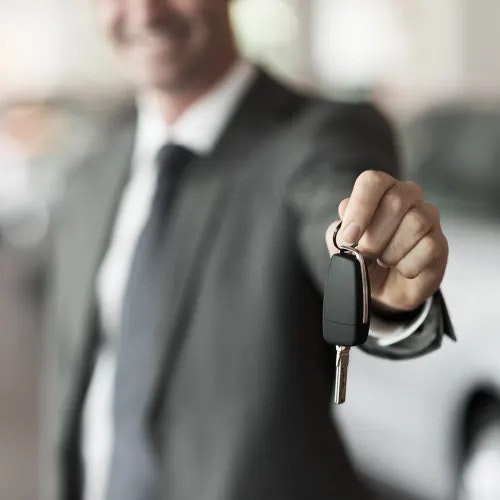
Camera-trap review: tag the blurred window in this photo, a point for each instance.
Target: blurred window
(455, 152)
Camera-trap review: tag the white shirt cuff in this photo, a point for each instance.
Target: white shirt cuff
(388, 332)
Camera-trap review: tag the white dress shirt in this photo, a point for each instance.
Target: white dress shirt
(198, 129)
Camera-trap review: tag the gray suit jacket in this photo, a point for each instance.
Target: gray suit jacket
(241, 405)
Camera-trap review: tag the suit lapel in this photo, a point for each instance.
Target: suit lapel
(95, 199)
(197, 216)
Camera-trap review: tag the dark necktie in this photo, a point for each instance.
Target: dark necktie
(134, 473)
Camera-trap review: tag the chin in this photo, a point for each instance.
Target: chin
(167, 78)
(152, 73)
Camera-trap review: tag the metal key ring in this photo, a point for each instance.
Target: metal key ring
(341, 247)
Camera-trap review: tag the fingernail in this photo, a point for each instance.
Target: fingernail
(351, 233)
(382, 264)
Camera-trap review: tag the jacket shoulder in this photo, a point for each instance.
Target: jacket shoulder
(326, 118)
(323, 122)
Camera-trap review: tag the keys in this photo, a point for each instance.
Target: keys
(346, 309)
(341, 364)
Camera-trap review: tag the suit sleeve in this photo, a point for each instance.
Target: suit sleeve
(349, 139)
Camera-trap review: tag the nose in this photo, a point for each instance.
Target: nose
(148, 12)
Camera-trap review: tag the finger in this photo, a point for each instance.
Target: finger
(410, 293)
(342, 207)
(416, 223)
(368, 190)
(427, 281)
(329, 238)
(390, 213)
(430, 249)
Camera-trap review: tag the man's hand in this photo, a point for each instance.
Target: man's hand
(400, 237)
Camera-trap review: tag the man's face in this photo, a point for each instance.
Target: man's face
(168, 44)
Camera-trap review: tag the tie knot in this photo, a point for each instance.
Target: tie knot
(172, 158)
(171, 161)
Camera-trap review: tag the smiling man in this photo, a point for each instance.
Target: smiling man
(185, 357)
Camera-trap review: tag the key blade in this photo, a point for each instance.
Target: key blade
(341, 364)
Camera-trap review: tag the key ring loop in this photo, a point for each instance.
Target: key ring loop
(341, 247)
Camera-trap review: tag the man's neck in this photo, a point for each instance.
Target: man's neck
(173, 104)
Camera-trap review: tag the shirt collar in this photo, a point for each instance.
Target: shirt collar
(202, 124)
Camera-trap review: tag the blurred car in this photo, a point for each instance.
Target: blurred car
(429, 428)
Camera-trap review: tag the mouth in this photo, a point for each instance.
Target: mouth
(157, 44)
(159, 37)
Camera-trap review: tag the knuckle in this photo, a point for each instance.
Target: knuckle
(373, 178)
(431, 248)
(415, 188)
(442, 249)
(417, 221)
(394, 203)
(434, 212)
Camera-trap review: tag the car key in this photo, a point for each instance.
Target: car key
(346, 309)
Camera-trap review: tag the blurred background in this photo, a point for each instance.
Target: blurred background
(427, 429)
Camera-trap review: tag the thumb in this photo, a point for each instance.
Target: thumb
(343, 206)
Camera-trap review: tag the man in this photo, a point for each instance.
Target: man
(187, 359)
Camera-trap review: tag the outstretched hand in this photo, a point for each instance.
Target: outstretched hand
(400, 237)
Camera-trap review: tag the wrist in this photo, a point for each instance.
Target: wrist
(397, 315)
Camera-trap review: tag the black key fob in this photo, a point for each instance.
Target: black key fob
(346, 311)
